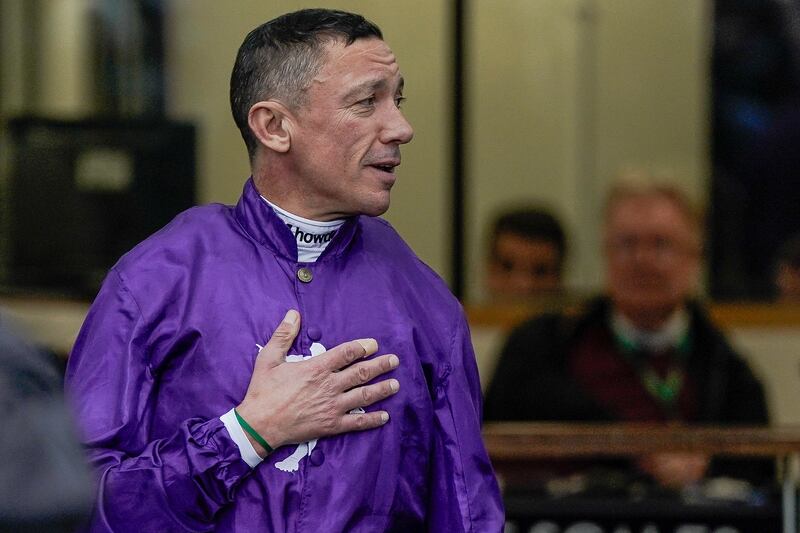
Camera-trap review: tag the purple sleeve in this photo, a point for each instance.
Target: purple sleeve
(178, 481)
(465, 495)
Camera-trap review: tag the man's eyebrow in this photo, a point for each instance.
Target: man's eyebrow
(369, 86)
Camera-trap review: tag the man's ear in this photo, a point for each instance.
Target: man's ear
(271, 123)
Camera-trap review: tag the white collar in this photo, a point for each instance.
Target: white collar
(311, 236)
(670, 335)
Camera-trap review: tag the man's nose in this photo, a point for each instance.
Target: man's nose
(397, 130)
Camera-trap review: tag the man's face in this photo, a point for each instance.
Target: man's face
(348, 135)
(653, 256)
(522, 267)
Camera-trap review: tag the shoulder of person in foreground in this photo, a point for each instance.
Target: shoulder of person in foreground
(44, 481)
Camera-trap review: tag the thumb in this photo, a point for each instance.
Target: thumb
(274, 352)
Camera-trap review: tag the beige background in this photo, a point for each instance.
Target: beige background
(568, 93)
(563, 93)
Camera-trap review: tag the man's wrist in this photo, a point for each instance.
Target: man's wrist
(258, 448)
(251, 417)
(254, 436)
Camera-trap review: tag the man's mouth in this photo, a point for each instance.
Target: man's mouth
(385, 166)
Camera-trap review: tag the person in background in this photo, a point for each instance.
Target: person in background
(44, 479)
(527, 248)
(215, 378)
(787, 276)
(645, 351)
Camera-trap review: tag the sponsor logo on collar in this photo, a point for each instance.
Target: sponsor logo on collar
(304, 237)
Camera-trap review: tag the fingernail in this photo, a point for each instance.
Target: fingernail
(291, 317)
(394, 385)
(394, 361)
(384, 417)
(370, 346)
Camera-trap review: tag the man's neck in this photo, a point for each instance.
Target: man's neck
(668, 332)
(297, 203)
(647, 318)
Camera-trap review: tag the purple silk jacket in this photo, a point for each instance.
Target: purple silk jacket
(170, 343)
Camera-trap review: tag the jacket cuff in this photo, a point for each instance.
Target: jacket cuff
(236, 433)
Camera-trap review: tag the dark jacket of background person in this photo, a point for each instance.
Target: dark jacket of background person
(44, 481)
(533, 380)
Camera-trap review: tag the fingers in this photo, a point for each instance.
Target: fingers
(274, 353)
(361, 373)
(368, 394)
(363, 421)
(346, 353)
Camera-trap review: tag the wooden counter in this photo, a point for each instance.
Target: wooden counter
(522, 441)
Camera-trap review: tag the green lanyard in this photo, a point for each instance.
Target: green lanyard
(665, 390)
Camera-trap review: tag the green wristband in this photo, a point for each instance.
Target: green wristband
(253, 433)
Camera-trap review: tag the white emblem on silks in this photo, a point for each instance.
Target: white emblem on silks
(304, 449)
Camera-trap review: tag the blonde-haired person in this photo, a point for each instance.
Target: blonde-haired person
(645, 350)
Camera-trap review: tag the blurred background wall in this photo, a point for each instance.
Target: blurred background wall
(47, 70)
(561, 94)
(566, 94)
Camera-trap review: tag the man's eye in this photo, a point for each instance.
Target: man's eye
(368, 101)
(398, 101)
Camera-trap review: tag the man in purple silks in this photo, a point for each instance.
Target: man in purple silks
(216, 378)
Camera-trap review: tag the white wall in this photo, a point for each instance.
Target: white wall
(562, 94)
(63, 60)
(567, 93)
(774, 356)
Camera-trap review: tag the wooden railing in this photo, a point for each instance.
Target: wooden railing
(523, 441)
(727, 315)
